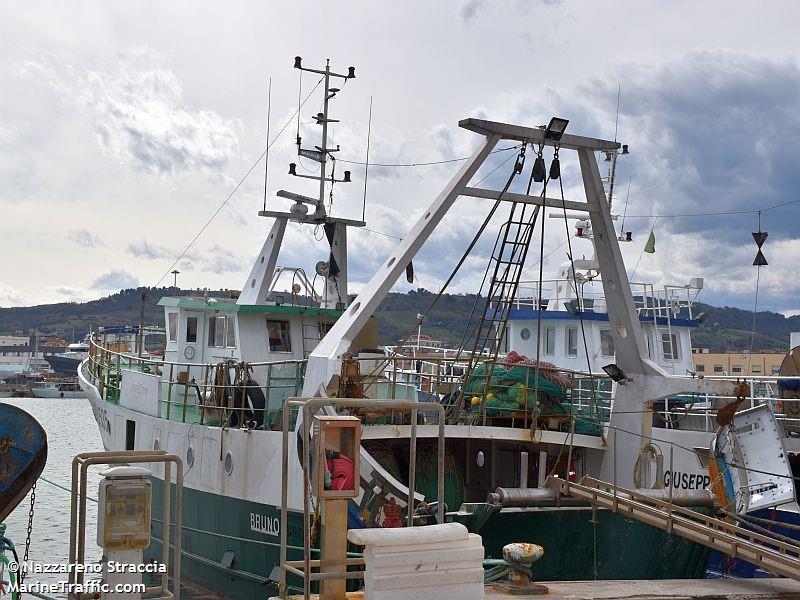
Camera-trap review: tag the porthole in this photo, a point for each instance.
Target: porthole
(391, 262)
(189, 456)
(427, 215)
(188, 352)
(262, 260)
(228, 463)
(355, 307)
(253, 283)
(480, 460)
(525, 334)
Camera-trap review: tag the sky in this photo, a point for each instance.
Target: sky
(125, 126)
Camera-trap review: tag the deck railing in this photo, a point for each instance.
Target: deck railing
(217, 393)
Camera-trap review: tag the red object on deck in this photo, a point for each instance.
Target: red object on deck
(342, 472)
(391, 514)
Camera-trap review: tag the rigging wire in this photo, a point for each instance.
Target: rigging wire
(422, 164)
(717, 214)
(235, 189)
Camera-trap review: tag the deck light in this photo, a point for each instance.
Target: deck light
(625, 149)
(298, 62)
(346, 177)
(615, 373)
(292, 168)
(555, 129)
(351, 72)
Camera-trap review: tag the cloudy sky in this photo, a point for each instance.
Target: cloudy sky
(124, 126)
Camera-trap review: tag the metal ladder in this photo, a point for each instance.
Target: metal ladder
(506, 266)
(776, 556)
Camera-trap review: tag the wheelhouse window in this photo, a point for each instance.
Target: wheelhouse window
(221, 332)
(718, 368)
(736, 369)
(755, 368)
(172, 323)
(669, 346)
(572, 341)
(606, 343)
(278, 336)
(700, 368)
(191, 329)
(549, 341)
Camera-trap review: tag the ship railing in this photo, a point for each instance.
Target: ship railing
(506, 399)
(650, 301)
(227, 393)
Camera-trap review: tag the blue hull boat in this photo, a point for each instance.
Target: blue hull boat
(23, 453)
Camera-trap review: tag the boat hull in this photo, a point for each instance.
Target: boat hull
(63, 365)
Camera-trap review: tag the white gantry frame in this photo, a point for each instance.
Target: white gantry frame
(646, 381)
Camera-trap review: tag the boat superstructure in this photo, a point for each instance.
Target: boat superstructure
(217, 396)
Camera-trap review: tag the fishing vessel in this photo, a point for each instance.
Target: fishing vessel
(217, 397)
(66, 363)
(55, 388)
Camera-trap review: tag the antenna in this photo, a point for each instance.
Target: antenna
(366, 162)
(266, 157)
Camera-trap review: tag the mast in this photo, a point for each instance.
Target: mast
(334, 270)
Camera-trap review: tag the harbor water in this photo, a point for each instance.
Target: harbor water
(71, 429)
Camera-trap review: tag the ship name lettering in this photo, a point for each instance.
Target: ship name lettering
(265, 524)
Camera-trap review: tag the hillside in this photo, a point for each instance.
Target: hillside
(723, 328)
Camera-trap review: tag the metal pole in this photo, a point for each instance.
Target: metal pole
(284, 496)
(412, 466)
(615, 470)
(306, 507)
(523, 469)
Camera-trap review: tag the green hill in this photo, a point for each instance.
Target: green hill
(722, 329)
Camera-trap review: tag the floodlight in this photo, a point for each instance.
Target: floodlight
(555, 129)
(292, 168)
(615, 373)
(298, 62)
(346, 177)
(351, 73)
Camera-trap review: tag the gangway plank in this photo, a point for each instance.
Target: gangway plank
(776, 556)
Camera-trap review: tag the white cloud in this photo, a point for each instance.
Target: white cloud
(85, 238)
(115, 280)
(139, 114)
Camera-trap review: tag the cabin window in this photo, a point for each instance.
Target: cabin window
(718, 369)
(191, 329)
(550, 341)
(572, 341)
(221, 332)
(278, 334)
(736, 368)
(606, 343)
(669, 346)
(700, 368)
(755, 368)
(172, 322)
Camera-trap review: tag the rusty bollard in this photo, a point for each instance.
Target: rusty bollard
(520, 556)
